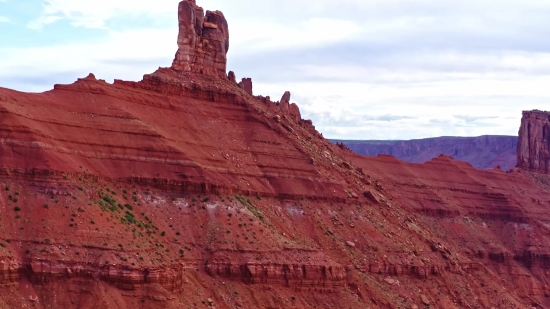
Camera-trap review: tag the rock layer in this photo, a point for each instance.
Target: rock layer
(533, 151)
(203, 41)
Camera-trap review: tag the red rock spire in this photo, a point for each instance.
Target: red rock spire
(203, 41)
(534, 141)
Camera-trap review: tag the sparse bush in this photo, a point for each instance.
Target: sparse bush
(130, 217)
(109, 200)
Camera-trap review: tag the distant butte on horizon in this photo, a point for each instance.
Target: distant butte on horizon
(483, 152)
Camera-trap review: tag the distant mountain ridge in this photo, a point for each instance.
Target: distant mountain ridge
(483, 152)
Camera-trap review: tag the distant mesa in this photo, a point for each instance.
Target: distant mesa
(483, 152)
(529, 151)
(533, 151)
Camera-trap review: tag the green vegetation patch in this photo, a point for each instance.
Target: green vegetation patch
(248, 205)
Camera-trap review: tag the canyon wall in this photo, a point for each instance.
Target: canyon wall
(483, 152)
(534, 141)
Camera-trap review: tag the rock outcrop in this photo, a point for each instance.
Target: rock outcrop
(284, 108)
(284, 104)
(231, 76)
(203, 41)
(290, 109)
(246, 85)
(533, 151)
(483, 152)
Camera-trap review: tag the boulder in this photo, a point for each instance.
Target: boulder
(425, 300)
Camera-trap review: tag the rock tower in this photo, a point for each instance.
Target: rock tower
(203, 41)
(534, 141)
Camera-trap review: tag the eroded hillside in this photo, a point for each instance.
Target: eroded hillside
(185, 191)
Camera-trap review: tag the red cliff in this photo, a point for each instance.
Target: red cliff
(185, 191)
(534, 141)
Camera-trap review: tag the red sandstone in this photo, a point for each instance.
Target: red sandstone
(203, 41)
(184, 191)
(534, 142)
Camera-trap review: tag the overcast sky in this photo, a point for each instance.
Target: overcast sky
(360, 69)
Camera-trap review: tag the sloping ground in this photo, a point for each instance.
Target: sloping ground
(483, 152)
(183, 191)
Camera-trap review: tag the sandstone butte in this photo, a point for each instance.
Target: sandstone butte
(183, 190)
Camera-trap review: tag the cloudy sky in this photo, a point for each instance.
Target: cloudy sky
(361, 69)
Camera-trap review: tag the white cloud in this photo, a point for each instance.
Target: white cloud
(403, 110)
(4, 19)
(39, 23)
(258, 36)
(122, 55)
(96, 13)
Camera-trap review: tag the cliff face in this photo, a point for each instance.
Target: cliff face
(484, 152)
(185, 191)
(534, 141)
